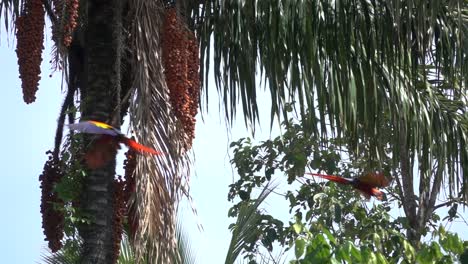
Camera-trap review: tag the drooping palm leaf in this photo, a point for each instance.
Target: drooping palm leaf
(10, 10)
(352, 63)
(158, 180)
(66, 255)
(186, 251)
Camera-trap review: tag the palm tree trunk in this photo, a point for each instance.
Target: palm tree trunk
(99, 95)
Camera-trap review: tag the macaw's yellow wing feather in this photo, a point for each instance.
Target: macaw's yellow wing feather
(101, 124)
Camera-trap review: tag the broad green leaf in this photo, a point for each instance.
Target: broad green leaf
(409, 250)
(329, 235)
(299, 247)
(381, 258)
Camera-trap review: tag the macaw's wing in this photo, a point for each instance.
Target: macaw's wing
(332, 178)
(368, 190)
(374, 179)
(138, 147)
(378, 194)
(101, 152)
(94, 127)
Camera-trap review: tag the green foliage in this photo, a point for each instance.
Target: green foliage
(70, 186)
(331, 223)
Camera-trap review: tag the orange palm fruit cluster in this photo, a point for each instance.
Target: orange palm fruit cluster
(52, 219)
(69, 27)
(181, 64)
(29, 46)
(193, 65)
(67, 12)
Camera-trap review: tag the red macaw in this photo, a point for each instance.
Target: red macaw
(106, 145)
(367, 184)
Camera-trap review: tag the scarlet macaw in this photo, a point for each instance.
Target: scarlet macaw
(107, 144)
(367, 184)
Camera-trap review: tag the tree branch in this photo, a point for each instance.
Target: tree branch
(409, 203)
(436, 186)
(454, 200)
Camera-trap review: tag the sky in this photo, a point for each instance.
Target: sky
(28, 132)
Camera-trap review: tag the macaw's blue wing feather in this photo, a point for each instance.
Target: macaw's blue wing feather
(91, 127)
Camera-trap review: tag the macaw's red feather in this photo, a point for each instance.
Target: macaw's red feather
(367, 186)
(138, 147)
(375, 179)
(368, 190)
(332, 178)
(101, 152)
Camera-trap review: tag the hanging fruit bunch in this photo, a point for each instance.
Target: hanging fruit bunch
(123, 189)
(193, 76)
(181, 64)
(71, 21)
(29, 46)
(52, 219)
(129, 168)
(120, 210)
(66, 12)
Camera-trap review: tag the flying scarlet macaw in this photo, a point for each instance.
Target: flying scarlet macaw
(367, 184)
(106, 145)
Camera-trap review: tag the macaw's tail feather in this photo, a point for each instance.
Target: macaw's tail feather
(331, 178)
(138, 147)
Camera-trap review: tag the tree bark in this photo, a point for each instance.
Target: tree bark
(102, 61)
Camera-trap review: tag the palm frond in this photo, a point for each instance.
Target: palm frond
(159, 180)
(351, 63)
(126, 252)
(184, 245)
(10, 9)
(246, 225)
(66, 255)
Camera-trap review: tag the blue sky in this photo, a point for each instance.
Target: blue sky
(28, 132)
